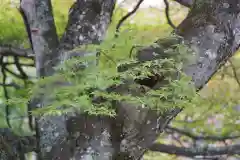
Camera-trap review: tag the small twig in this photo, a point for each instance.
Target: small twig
(167, 15)
(108, 57)
(127, 16)
(234, 72)
(133, 47)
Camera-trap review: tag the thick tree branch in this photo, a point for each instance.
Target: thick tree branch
(96, 15)
(193, 152)
(88, 24)
(40, 20)
(186, 3)
(210, 49)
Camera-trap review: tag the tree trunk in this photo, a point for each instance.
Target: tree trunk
(211, 29)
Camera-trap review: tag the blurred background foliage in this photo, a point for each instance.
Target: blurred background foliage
(221, 118)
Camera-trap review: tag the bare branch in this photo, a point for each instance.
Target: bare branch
(22, 64)
(13, 51)
(127, 16)
(167, 14)
(13, 73)
(196, 137)
(14, 85)
(234, 72)
(5, 91)
(20, 69)
(193, 152)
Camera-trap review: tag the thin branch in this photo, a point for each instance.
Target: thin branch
(14, 85)
(133, 48)
(22, 64)
(5, 91)
(196, 137)
(234, 72)
(19, 67)
(127, 16)
(13, 51)
(199, 151)
(167, 15)
(13, 73)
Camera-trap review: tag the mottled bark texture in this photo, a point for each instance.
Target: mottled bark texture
(14, 147)
(211, 29)
(43, 33)
(88, 22)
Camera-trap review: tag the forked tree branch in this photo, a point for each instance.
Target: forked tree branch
(90, 29)
(87, 24)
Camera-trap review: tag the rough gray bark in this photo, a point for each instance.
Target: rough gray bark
(44, 43)
(88, 22)
(211, 30)
(43, 33)
(13, 147)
